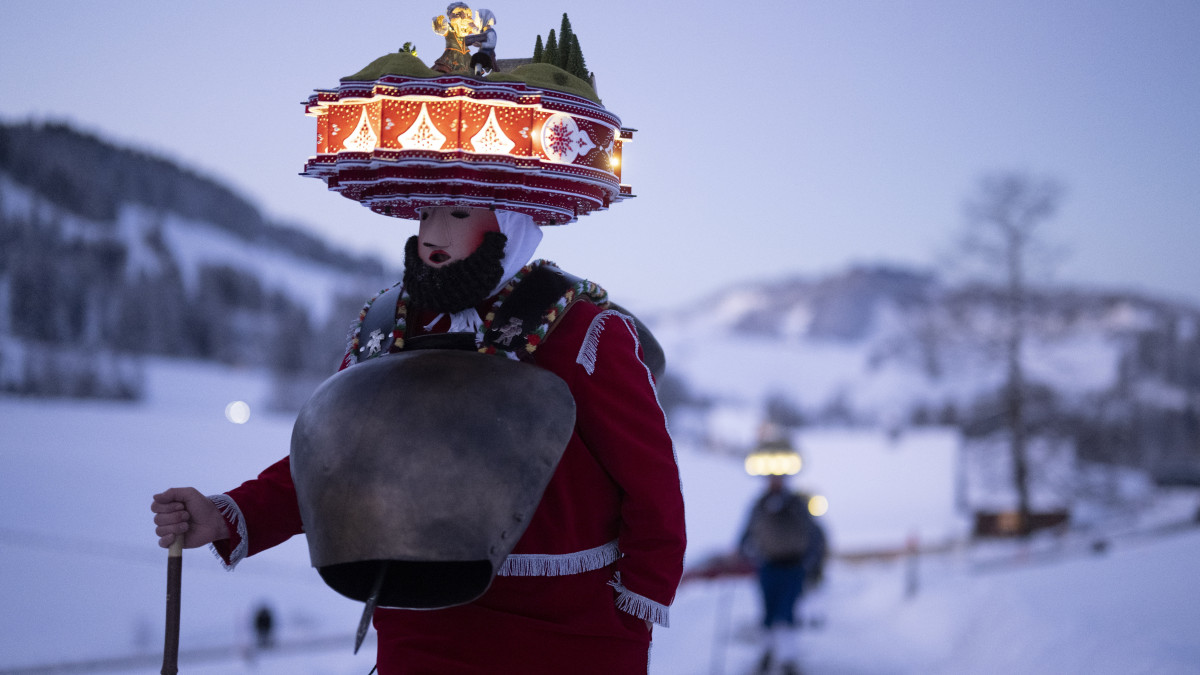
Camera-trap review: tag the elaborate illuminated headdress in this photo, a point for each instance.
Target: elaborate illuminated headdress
(398, 136)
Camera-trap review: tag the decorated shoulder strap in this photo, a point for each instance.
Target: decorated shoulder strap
(371, 334)
(525, 312)
(537, 303)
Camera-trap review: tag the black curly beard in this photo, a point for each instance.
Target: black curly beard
(458, 285)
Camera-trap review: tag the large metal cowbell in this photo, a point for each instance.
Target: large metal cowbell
(425, 467)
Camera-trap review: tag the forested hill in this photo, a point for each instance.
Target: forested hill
(108, 254)
(93, 179)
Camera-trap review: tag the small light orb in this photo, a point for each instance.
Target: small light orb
(818, 505)
(238, 412)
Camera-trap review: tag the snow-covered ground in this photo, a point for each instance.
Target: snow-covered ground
(83, 579)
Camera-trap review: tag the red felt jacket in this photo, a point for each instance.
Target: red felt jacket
(602, 556)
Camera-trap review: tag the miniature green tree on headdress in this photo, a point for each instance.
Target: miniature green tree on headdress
(562, 49)
(550, 55)
(575, 63)
(565, 37)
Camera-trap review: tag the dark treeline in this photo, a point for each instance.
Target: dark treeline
(80, 302)
(92, 178)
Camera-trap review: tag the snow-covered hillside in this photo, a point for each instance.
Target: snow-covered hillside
(128, 254)
(883, 343)
(84, 579)
(155, 241)
(892, 349)
(83, 296)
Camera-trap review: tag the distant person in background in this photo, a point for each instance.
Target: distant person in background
(264, 627)
(789, 547)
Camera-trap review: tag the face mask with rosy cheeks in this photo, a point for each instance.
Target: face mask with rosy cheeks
(456, 285)
(448, 234)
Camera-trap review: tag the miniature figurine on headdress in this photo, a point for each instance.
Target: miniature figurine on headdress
(455, 25)
(484, 60)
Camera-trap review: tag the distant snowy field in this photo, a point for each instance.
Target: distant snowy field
(83, 579)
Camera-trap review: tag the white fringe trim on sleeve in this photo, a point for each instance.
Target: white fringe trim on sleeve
(591, 341)
(539, 565)
(231, 512)
(639, 605)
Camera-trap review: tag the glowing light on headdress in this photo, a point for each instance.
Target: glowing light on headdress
(399, 143)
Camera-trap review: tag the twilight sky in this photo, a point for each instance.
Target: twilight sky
(773, 138)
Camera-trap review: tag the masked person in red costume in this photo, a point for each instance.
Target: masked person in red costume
(599, 563)
(495, 546)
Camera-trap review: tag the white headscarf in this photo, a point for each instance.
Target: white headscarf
(484, 16)
(523, 239)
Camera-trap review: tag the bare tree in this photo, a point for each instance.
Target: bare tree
(1003, 218)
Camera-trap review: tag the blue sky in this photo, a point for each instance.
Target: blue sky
(773, 139)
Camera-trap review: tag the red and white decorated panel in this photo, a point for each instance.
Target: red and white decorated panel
(399, 143)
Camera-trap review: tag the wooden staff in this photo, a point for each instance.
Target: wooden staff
(174, 582)
(369, 608)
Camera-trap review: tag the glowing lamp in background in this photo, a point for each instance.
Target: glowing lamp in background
(773, 458)
(818, 505)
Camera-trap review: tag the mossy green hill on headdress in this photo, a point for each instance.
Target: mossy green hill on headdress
(539, 75)
(396, 63)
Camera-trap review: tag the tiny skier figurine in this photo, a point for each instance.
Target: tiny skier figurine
(455, 25)
(484, 60)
